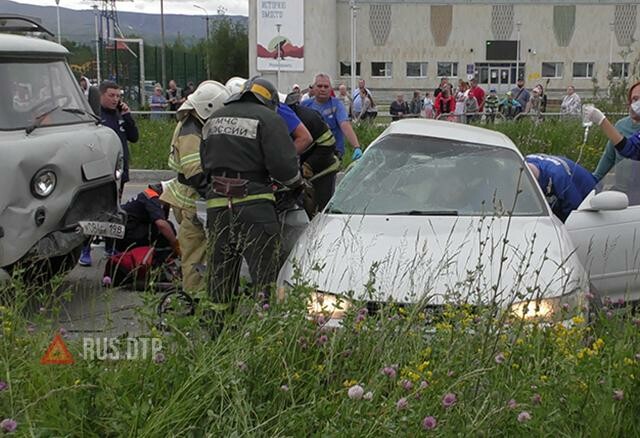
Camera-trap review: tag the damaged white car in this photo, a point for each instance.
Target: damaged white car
(436, 213)
(60, 170)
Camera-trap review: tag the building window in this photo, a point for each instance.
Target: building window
(345, 68)
(381, 69)
(553, 69)
(619, 69)
(583, 69)
(449, 69)
(416, 69)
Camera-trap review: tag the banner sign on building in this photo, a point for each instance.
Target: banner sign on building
(280, 35)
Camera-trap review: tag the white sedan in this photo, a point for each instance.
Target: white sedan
(606, 232)
(435, 213)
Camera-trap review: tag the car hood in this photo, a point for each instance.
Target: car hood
(438, 259)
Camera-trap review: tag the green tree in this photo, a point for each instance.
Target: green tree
(228, 49)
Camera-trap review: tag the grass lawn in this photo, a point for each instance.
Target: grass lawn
(556, 137)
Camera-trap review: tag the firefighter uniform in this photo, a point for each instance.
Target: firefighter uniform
(319, 162)
(184, 158)
(190, 185)
(246, 144)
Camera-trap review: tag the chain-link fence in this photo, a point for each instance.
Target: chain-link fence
(122, 63)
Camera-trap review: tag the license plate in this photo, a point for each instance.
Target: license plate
(107, 229)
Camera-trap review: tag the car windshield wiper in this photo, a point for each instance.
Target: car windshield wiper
(425, 213)
(39, 118)
(83, 112)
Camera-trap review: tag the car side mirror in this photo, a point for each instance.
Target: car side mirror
(608, 201)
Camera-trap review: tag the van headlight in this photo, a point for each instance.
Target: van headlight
(43, 183)
(119, 167)
(546, 308)
(329, 304)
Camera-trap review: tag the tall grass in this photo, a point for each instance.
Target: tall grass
(552, 136)
(275, 372)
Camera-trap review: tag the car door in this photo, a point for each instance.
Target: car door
(608, 241)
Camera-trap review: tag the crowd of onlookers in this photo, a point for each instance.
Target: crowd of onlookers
(462, 103)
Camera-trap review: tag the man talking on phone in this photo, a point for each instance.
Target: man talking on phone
(115, 114)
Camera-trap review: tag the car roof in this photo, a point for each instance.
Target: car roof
(24, 46)
(450, 131)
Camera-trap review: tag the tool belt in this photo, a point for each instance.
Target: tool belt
(234, 191)
(230, 187)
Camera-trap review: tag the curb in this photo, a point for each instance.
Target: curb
(150, 176)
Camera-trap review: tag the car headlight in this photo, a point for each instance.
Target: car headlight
(546, 308)
(119, 167)
(43, 183)
(329, 304)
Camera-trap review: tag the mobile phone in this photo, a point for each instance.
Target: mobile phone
(120, 106)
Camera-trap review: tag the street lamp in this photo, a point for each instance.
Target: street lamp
(518, 24)
(278, 26)
(352, 6)
(95, 13)
(612, 27)
(206, 46)
(58, 18)
(162, 51)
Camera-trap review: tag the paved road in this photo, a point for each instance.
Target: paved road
(98, 311)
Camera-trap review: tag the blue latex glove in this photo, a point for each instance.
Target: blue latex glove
(357, 154)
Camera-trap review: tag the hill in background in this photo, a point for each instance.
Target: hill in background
(79, 25)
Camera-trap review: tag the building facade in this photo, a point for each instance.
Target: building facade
(402, 45)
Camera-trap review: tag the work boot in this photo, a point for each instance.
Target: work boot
(85, 256)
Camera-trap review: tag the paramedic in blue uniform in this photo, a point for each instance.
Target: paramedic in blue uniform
(246, 146)
(147, 222)
(564, 182)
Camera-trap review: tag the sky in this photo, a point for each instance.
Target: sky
(185, 7)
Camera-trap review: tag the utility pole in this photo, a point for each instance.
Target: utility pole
(58, 18)
(352, 6)
(162, 48)
(98, 76)
(206, 45)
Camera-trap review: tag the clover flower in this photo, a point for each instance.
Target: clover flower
(536, 399)
(512, 404)
(368, 396)
(355, 392)
(402, 404)
(618, 394)
(8, 425)
(499, 358)
(389, 372)
(407, 384)
(524, 416)
(429, 423)
(159, 358)
(3, 385)
(449, 399)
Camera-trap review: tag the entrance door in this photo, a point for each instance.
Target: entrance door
(499, 79)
